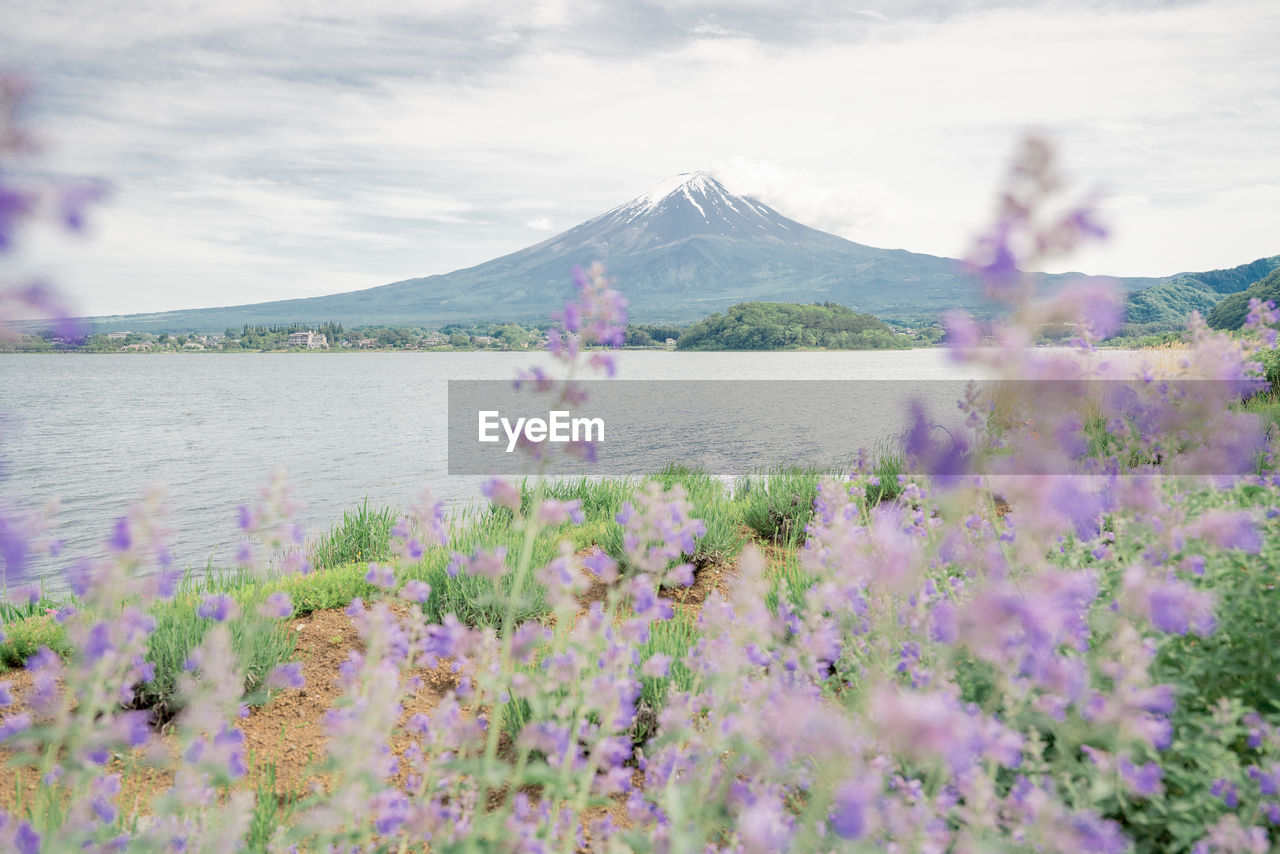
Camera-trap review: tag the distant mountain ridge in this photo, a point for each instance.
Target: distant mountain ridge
(684, 249)
(1167, 305)
(1232, 310)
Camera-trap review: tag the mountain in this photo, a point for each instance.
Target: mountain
(1216, 294)
(1168, 304)
(684, 249)
(1231, 312)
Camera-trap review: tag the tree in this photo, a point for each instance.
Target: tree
(513, 337)
(637, 337)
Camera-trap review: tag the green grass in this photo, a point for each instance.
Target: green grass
(789, 581)
(1266, 405)
(673, 638)
(886, 469)
(712, 504)
(26, 636)
(601, 498)
(271, 810)
(341, 557)
(11, 611)
(778, 505)
(362, 535)
(259, 643)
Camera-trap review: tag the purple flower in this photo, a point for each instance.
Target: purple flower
(380, 575)
(1176, 608)
(26, 839)
(933, 451)
(13, 549)
(133, 728)
(278, 606)
(535, 375)
(11, 725)
(415, 591)
(121, 540)
(1097, 835)
(74, 198)
(849, 811)
(98, 642)
(572, 316)
(14, 204)
(1144, 780)
(1225, 789)
(604, 362)
(601, 565)
(502, 493)
(943, 622)
(764, 828)
(552, 512)
(489, 564)
(994, 261)
(1268, 783)
(287, 676)
(390, 811)
(218, 607)
(1228, 529)
(103, 809)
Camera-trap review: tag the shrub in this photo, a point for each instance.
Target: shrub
(362, 535)
(778, 505)
(259, 644)
(709, 501)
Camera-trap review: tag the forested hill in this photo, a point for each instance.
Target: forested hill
(1231, 312)
(785, 326)
(1165, 306)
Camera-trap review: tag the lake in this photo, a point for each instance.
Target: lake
(94, 431)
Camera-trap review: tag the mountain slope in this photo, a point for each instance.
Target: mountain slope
(684, 249)
(1231, 312)
(1167, 305)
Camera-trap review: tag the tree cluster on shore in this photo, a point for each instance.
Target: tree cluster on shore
(788, 326)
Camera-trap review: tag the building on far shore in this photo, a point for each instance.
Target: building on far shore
(309, 340)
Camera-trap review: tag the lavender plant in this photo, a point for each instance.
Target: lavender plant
(922, 673)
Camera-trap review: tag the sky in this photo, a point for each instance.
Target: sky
(270, 149)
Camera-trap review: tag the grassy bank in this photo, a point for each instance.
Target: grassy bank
(1235, 666)
(771, 506)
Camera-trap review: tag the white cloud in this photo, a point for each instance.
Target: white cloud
(263, 153)
(854, 212)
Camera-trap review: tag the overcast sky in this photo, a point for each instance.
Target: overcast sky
(264, 149)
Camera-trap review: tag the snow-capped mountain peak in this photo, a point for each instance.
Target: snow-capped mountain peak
(686, 206)
(690, 183)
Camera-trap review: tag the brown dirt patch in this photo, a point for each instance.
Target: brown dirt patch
(707, 580)
(289, 733)
(286, 733)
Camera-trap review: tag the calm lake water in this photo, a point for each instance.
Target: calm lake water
(94, 431)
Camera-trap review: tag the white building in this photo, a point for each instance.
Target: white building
(309, 340)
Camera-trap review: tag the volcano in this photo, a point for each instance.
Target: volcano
(682, 250)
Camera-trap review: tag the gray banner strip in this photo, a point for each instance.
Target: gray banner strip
(736, 427)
